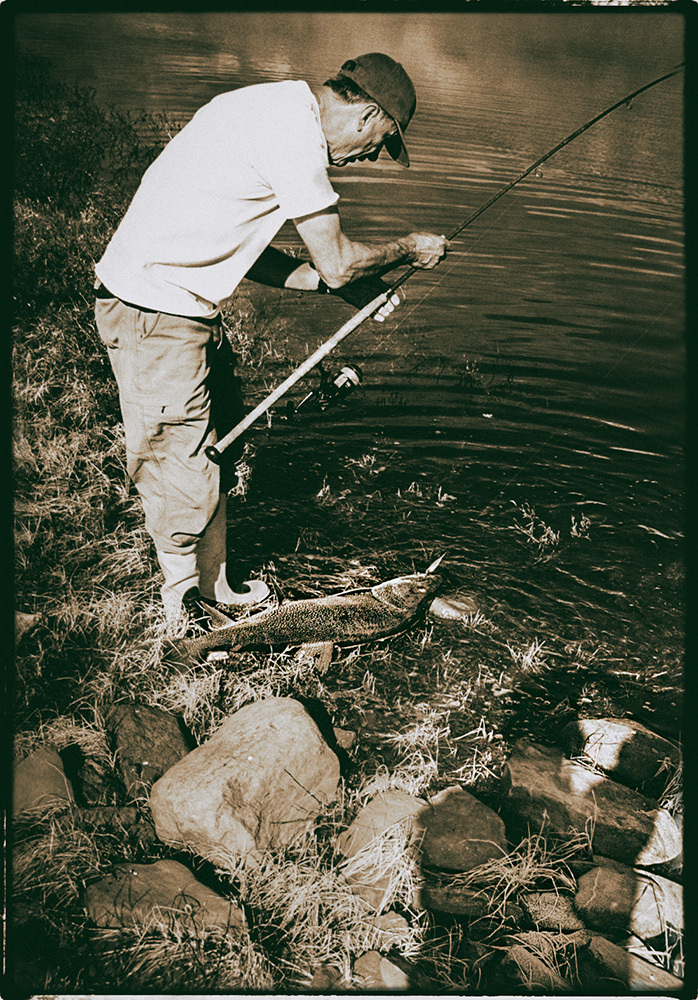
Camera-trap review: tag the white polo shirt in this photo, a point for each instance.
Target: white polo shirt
(215, 198)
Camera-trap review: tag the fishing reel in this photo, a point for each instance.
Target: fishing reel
(333, 389)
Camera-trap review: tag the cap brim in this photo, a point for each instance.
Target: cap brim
(396, 148)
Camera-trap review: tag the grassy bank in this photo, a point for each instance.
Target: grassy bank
(87, 585)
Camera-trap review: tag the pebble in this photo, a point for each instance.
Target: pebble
(452, 609)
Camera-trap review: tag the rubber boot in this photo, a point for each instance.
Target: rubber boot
(181, 586)
(212, 564)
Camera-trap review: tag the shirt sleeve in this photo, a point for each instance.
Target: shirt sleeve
(292, 160)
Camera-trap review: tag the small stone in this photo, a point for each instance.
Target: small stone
(551, 946)
(531, 973)
(453, 609)
(642, 904)
(385, 811)
(460, 832)
(165, 892)
(40, 783)
(471, 903)
(327, 979)
(622, 967)
(24, 624)
(389, 813)
(392, 929)
(374, 972)
(148, 741)
(550, 911)
(346, 738)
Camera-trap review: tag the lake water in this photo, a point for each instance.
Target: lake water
(535, 380)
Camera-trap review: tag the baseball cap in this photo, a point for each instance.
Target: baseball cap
(388, 84)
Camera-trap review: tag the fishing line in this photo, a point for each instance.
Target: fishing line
(442, 274)
(627, 101)
(214, 452)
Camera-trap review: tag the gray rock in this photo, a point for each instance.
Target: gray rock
(40, 783)
(639, 903)
(385, 811)
(471, 903)
(346, 738)
(327, 979)
(260, 781)
(460, 832)
(627, 751)
(388, 812)
(148, 743)
(372, 971)
(546, 790)
(550, 911)
(452, 608)
(164, 892)
(24, 624)
(392, 929)
(531, 973)
(619, 966)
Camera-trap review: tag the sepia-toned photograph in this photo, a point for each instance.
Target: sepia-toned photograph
(349, 470)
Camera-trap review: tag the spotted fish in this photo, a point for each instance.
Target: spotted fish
(349, 618)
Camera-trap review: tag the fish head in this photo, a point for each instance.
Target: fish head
(408, 593)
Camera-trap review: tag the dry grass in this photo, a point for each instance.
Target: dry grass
(537, 863)
(305, 913)
(389, 862)
(143, 957)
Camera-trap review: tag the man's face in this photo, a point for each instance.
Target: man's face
(360, 137)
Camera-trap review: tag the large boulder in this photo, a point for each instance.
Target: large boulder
(460, 832)
(40, 783)
(260, 781)
(545, 790)
(642, 904)
(148, 742)
(627, 751)
(165, 893)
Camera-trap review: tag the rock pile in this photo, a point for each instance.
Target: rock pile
(265, 776)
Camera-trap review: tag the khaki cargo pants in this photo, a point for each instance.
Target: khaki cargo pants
(179, 393)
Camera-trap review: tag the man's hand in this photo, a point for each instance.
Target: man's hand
(427, 249)
(340, 260)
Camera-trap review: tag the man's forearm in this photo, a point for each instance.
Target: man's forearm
(363, 260)
(351, 260)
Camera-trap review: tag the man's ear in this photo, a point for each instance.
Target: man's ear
(369, 113)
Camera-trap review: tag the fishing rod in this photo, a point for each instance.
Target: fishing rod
(215, 452)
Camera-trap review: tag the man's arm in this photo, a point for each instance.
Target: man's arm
(281, 270)
(339, 260)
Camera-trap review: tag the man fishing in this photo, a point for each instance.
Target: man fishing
(203, 219)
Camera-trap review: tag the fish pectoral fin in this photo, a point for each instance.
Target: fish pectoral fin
(316, 654)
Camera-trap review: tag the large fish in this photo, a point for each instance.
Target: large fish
(348, 618)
